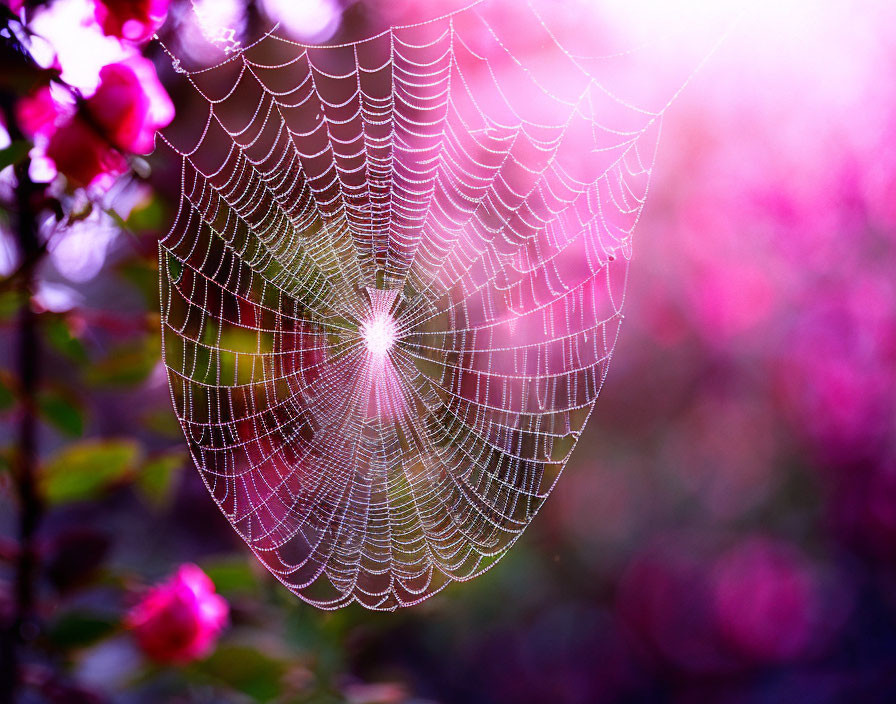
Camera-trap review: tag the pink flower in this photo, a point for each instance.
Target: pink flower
(123, 116)
(14, 5)
(836, 377)
(766, 600)
(131, 105)
(134, 20)
(79, 152)
(38, 113)
(665, 602)
(310, 20)
(180, 620)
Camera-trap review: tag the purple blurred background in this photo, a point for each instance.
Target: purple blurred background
(726, 529)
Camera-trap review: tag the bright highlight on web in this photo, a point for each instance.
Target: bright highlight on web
(393, 290)
(379, 334)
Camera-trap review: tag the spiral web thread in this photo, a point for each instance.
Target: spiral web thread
(392, 291)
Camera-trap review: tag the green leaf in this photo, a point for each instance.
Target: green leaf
(61, 339)
(148, 216)
(14, 153)
(85, 469)
(158, 476)
(246, 669)
(61, 412)
(126, 365)
(144, 275)
(232, 576)
(79, 629)
(162, 422)
(10, 303)
(7, 397)
(175, 268)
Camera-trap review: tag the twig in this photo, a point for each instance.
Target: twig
(21, 626)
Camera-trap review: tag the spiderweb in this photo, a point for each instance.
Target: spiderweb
(392, 291)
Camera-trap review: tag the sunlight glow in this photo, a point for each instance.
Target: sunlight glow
(379, 335)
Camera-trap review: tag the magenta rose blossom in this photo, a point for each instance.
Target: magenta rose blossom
(180, 620)
(130, 105)
(134, 20)
(84, 156)
(38, 112)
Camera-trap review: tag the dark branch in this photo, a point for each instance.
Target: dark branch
(20, 626)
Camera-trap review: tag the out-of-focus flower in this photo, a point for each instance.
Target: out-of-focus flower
(131, 105)
(665, 602)
(14, 5)
(836, 377)
(384, 693)
(730, 298)
(310, 20)
(723, 450)
(85, 157)
(133, 20)
(9, 254)
(213, 28)
(66, 36)
(79, 251)
(123, 116)
(38, 113)
(180, 620)
(55, 297)
(766, 600)
(700, 609)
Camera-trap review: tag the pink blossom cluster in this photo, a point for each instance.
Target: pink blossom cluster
(179, 620)
(758, 382)
(706, 609)
(777, 249)
(109, 111)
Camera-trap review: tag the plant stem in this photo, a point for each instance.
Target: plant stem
(21, 627)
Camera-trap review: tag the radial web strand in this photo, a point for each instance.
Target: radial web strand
(392, 291)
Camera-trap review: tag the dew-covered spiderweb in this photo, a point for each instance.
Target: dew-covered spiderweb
(393, 289)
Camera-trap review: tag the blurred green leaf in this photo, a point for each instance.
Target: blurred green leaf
(83, 470)
(163, 422)
(321, 634)
(7, 397)
(175, 268)
(246, 669)
(144, 275)
(158, 476)
(232, 576)
(127, 364)
(61, 412)
(149, 215)
(61, 339)
(14, 153)
(10, 302)
(79, 629)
